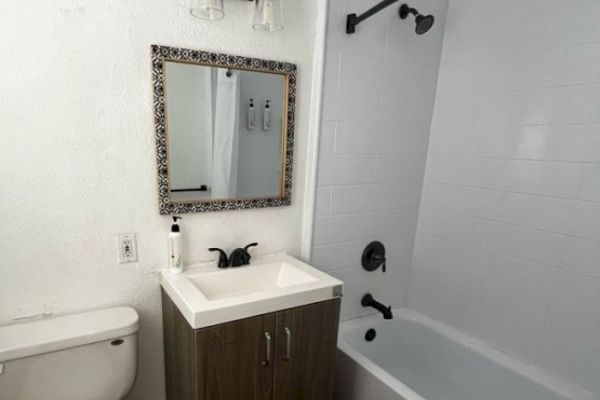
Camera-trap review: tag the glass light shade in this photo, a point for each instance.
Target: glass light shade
(207, 9)
(268, 15)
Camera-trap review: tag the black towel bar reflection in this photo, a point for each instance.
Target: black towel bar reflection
(202, 188)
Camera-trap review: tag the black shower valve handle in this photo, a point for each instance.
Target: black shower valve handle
(381, 260)
(373, 257)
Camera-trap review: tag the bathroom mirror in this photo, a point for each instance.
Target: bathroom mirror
(224, 130)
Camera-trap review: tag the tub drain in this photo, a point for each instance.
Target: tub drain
(370, 335)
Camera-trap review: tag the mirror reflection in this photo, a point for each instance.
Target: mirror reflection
(225, 131)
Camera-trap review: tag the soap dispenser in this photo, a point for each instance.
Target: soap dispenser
(251, 115)
(267, 116)
(175, 248)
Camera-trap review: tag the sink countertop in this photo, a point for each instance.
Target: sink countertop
(207, 295)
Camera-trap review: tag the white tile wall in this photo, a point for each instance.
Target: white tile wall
(508, 237)
(378, 100)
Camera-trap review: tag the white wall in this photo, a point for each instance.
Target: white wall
(508, 242)
(378, 98)
(78, 155)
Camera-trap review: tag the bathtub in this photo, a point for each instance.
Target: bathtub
(415, 358)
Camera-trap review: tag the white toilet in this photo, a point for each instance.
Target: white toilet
(89, 356)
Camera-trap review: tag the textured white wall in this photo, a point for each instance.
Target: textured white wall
(78, 157)
(378, 99)
(508, 242)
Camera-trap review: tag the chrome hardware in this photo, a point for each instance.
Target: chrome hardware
(288, 346)
(268, 341)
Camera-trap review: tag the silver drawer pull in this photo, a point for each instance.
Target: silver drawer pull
(268, 342)
(288, 345)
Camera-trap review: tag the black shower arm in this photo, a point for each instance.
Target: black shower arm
(352, 19)
(410, 10)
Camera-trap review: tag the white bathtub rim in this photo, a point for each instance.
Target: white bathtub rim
(532, 372)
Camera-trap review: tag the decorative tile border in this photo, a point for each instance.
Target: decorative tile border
(162, 54)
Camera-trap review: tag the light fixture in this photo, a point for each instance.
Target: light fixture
(207, 9)
(268, 15)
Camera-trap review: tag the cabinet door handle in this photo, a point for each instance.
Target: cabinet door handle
(288, 344)
(268, 343)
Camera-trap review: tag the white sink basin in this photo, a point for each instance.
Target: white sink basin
(207, 295)
(241, 281)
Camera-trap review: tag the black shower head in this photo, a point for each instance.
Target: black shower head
(424, 22)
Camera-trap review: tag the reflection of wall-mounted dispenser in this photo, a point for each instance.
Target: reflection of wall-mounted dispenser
(251, 115)
(267, 116)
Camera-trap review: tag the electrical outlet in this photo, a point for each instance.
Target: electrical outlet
(127, 248)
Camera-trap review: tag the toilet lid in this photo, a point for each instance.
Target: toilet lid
(53, 334)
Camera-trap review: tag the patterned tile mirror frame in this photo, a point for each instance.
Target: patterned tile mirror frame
(163, 54)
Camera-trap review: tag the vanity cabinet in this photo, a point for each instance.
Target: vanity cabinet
(285, 355)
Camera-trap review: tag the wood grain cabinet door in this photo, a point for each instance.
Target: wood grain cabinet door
(305, 351)
(235, 361)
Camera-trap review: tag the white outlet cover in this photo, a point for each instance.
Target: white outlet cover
(126, 248)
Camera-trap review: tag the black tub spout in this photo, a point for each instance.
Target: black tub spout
(369, 301)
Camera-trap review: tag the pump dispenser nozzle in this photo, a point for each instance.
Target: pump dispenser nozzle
(175, 226)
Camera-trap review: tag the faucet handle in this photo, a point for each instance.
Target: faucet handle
(373, 257)
(246, 257)
(379, 259)
(223, 260)
(250, 245)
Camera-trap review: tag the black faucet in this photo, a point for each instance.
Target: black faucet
(239, 256)
(369, 301)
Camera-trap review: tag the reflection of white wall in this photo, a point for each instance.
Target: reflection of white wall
(189, 114)
(259, 163)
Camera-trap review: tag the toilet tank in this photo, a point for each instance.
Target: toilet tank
(88, 356)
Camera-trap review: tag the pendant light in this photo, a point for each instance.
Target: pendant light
(207, 9)
(268, 15)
